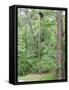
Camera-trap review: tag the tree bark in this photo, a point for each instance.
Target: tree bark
(59, 45)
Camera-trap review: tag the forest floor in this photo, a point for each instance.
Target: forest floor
(36, 77)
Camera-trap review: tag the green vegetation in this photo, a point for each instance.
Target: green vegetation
(35, 77)
(40, 36)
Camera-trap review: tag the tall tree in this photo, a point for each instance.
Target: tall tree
(63, 45)
(39, 57)
(59, 44)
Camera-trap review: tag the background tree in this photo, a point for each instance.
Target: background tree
(60, 46)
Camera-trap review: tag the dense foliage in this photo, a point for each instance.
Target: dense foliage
(37, 41)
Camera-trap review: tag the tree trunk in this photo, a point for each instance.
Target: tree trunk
(26, 34)
(63, 49)
(59, 45)
(39, 57)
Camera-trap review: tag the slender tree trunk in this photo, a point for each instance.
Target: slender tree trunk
(31, 28)
(59, 45)
(26, 33)
(40, 39)
(34, 38)
(63, 50)
(39, 58)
